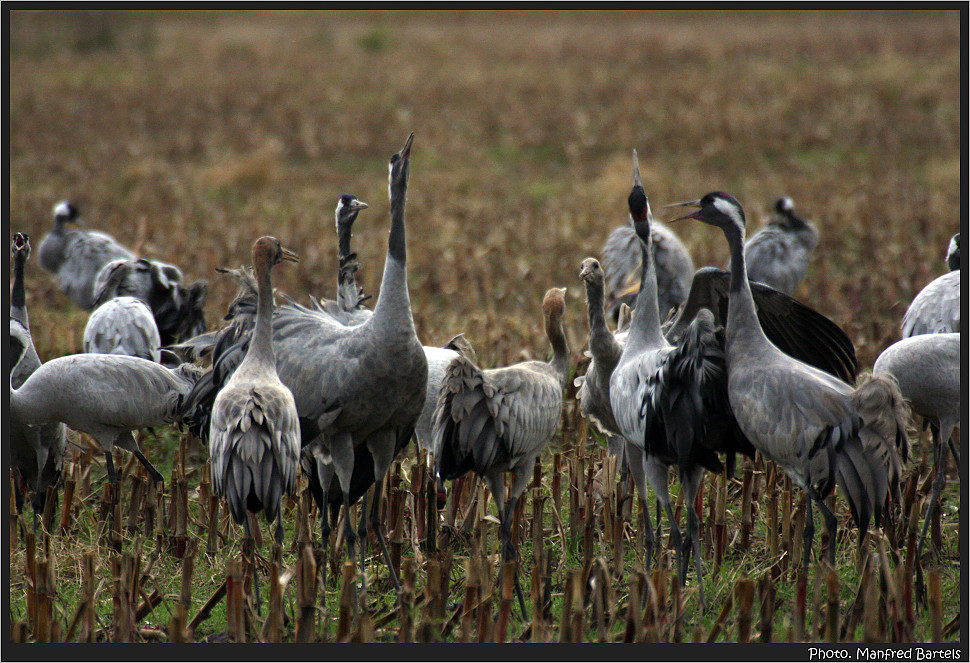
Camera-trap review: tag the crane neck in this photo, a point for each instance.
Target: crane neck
(344, 232)
(600, 338)
(645, 329)
(742, 328)
(560, 348)
(261, 348)
(394, 300)
(18, 296)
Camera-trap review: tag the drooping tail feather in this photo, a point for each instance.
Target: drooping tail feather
(464, 433)
(885, 417)
(863, 481)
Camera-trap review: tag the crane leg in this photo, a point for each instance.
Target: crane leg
(509, 553)
(127, 442)
(109, 467)
(155, 474)
(248, 552)
(279, 526)
(362, 539)
(375, 521)
(648, 536)
(693, 542)
(954, 450)
(635, 460)
(690, 484)
(831, 526)
(936, 488)
(349, 535)
(809, 533)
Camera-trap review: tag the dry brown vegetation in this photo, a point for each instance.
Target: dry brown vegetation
(188, 134)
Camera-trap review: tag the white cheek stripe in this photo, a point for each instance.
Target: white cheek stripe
(728, 209)
(340, 206)
(62, 209)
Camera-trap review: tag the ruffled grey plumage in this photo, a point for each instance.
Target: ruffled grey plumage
(178, 309)
(499, 420)
(621, 262)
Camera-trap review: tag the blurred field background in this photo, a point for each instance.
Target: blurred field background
(188, 134)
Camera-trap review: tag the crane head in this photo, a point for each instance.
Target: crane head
(21, 245)
(716, 209)
(591, 271)
(270, 249)
(348, 207)
(65, 211)
(399, 168)
(953, 253)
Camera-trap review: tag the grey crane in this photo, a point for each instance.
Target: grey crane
(77, 256)
(359, 390)
(778, 254)
(927, 369)
(254, 437)
(805, 420)
(605, 348)
(123, 326)
(178, 308)
(499, 420)
(621, 261)
(936, 309)
(106, 396)
(36, 452)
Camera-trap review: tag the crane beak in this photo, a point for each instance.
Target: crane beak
(289, 255)
(406, 150)
(356, 205)
(692, 215)
(636, 170)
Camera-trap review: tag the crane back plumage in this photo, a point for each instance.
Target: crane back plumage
(254, 447)
(494, 420)
(123, 326)
(927, 369)
(936, 308)
(778, 254)
(621, 262)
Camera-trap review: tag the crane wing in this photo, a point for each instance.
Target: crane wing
(796, 329)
